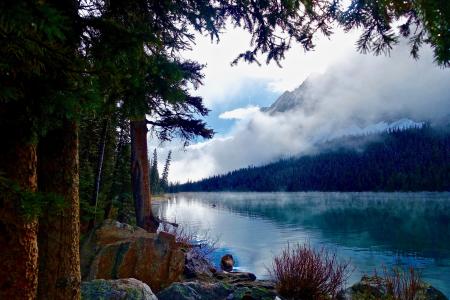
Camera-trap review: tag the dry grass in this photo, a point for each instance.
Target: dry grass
(401, 284)
(201, 245)
(303, 273)
(181, 234)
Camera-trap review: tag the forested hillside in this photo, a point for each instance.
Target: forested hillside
(409, 160)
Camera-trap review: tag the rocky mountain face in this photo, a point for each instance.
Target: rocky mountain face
(305, 99)
(289, 101)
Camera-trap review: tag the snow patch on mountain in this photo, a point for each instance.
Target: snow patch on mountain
(303, 101)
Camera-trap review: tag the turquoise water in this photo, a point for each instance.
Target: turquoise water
(369, 229)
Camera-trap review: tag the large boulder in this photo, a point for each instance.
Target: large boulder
(219, 290)
(370, 288)
(116, 250)
(195, 290)
(120, 289)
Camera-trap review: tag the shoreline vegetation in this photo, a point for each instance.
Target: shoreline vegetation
(298, 273)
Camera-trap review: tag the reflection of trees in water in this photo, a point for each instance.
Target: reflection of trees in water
(417, 223)
(426, 232)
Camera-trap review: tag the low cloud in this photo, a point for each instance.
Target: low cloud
(240, 113)
(359, 91)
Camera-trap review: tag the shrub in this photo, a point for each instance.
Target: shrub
(303, 273)
(400, 284)
(201, 245)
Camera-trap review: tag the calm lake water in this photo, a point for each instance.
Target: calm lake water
(370, 229)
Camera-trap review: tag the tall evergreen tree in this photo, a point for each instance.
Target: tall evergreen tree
(154, 174)
(58, 173)
(98, 175)
(165, 173)
(120, 189)
(42, 84)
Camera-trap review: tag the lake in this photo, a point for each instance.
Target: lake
(369, 229)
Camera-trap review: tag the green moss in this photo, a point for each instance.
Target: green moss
(95, 290)
(226, 285)
(133, 294)
(241, 292)
(103, 290)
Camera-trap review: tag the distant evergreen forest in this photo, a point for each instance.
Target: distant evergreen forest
(416, 159)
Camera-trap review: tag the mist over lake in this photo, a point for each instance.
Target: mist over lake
(369, 229)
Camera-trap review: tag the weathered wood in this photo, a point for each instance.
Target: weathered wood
(140, 177)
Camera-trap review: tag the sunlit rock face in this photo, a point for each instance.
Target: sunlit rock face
(117, 250)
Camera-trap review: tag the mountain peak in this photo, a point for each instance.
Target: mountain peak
(289, 100)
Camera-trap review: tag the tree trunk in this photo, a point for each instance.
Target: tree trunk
(140, 178)
(98, 174)
(18, 236)
(59, 230)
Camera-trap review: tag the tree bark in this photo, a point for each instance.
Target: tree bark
(59, 229)
(140, 178)
(18, 236)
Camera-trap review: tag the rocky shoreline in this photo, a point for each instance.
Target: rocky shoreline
(120, 261)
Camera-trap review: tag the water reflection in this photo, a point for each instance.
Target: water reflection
(370, 228)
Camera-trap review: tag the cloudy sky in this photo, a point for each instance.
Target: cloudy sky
(348, 87)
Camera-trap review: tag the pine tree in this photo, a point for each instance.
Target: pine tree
(154, 174)
(42, 86)
(165, 174)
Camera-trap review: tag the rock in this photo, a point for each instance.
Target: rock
(117, 250)
(200, 290)
(366, 288)
(258, 290)
(195, 290)
(197, 265)
(253, 293)
(235, 277)
(431, 293)
(227, 262)
(120, 289)
(371, 287)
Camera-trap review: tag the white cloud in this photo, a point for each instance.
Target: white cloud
(358, 90)
(239, 113)
(223, 82)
